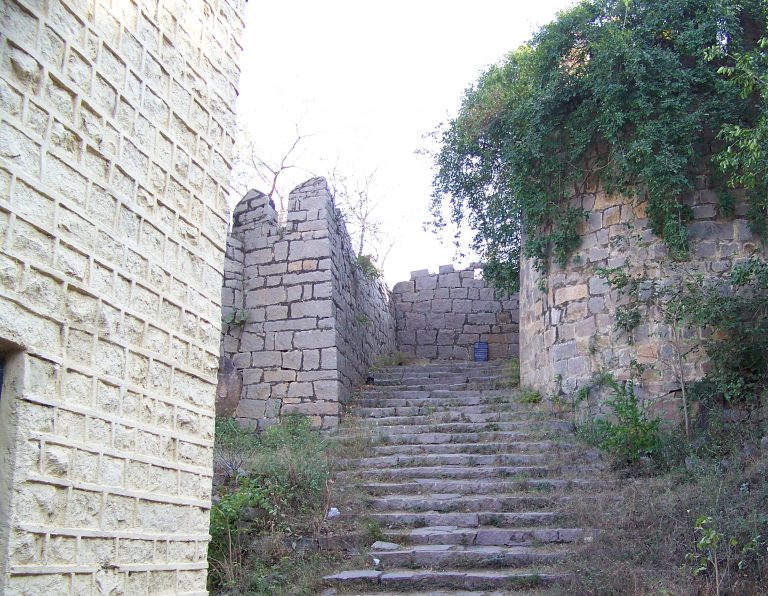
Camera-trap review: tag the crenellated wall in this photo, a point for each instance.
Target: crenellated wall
(442, 315)
(568, 331)
(116, 134)
(305, 323)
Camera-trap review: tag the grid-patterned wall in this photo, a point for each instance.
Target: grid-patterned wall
(116, 135)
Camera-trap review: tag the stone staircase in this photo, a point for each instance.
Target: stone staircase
(465, 483)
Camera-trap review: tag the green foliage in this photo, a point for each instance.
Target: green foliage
(734, 316)
(236, 317)
(394, 359)
(529, 396)
(613, 92)
(367, 266)
(362, 319)
(627, 318)
(628, 435)
(744, 158)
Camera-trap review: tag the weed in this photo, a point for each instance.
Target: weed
(372, 530)
(529, 396)
(631, 436)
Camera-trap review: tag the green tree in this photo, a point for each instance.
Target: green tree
(613, 92)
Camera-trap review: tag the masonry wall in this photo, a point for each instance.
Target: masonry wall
(567, 332)
(305, 323)
(442, 315)
(116, 134)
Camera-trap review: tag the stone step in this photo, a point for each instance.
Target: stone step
(435, 438)
(474, 519)
(462, 427)
(446, 459)
(376, 410)
(456, 502)
(442, 367)
(441, 556)
(491, 448)
(465, 579)
(484, 535)
(436, 393)
(443, 379)
(456, 386)
(480, 487)
(448, 416)
(478, 472)
(422, 399)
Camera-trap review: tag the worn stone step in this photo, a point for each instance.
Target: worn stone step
(422, 399)
(501, 519)
(480, 487)
(434, 393)
(442, 367)
(448, 416)
(442, 556)
(494, 447)
(433, 385)
(443, 379)
(484, 535)
(446, 459)
(464, 427)
(378, 411)
(456, 502)
(422, 438)
(465, 579)
(478, 472)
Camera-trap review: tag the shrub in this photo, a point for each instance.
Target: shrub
(628, 435)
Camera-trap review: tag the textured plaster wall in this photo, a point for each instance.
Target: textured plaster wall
(567, 331)
(116, 133)
(442, 315)
(306, 323)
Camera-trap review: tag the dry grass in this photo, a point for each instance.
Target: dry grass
(643, 538)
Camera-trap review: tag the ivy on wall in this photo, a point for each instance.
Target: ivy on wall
(634, 95)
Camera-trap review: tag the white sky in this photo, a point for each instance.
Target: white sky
(367, 80)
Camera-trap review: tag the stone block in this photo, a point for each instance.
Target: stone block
(449, 280)
(570, 293)
(419, 273)
(445, 269)
(403, 287)
(428, 282)
(441, 305)
(564, 351)
(314, 339)
(312, 308)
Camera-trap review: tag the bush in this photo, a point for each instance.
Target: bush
(628, 435)
(734, 315)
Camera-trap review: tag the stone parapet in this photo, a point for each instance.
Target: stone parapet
(302, 321)
(442, 315)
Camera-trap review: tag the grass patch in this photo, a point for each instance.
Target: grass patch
(272, 492)
(692, 522)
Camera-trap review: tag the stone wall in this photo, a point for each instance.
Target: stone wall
(115, 146)
(442, 315)
(567, 332)
(305, 322)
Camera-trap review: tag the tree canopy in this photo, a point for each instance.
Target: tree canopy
(636, 95)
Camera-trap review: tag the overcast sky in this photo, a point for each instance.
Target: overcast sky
(367, 80)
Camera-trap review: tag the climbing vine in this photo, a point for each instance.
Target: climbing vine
(627, 94)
